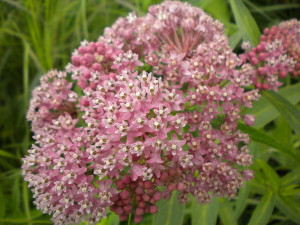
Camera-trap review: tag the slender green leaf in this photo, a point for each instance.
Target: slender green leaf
(217, 8)
(22, 221)
(2, 205)
(226, 212)
(253, 6)
(7, 155)
(16, 196)
(235, 39)
(291, 178)
(245, 22)
(26, 202)
(83, 18)
(264, 138)
(283, 131)
(205, 214)
(276, 7)
(286, 109)
(270, 175)
(16, 4)
(265, 112)
(111, 219)
(241, 203)
(289, 207)
(169, 212)
(263, 210)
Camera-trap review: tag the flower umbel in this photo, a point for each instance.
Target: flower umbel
(158, 107)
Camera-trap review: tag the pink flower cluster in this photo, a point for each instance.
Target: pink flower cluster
(159, 101)
(52, 98)
(276, 55)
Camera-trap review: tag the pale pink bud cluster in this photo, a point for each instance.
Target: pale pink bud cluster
(56, 167)
(276, 55)
(159, 101)
(52, 98)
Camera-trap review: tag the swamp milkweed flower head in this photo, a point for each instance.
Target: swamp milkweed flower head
(157, 110)
(276, 55)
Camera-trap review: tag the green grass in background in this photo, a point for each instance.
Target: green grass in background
(37, 35)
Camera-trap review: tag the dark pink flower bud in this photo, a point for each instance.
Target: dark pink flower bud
(114, 198)
(157, 196)
(120, 203)
(180, 186)
(151, 191)
(148, 184)
(96, 67)
(120, 185)
(159, 182)
(153, 209)
(138, 219)
(142, 204)
(76, 60)
(139, 211)
(139, 190)
(145, 197)
(127, 201)
(147, 209)
(123, 217)
(171, 186)
(126, 179)
(265, 86)
(127, 208)
(125, 194)
(164, 176)
(254, 60)
(172, 172)
(119, 211)
(138, 197)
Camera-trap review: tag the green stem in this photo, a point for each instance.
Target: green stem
(129, 219)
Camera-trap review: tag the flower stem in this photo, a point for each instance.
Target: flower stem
(129, 219)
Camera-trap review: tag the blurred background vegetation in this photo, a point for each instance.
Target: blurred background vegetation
(37, 35)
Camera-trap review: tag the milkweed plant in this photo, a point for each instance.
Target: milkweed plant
(152, 107)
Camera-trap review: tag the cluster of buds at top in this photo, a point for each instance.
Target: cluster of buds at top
(277, 54)
(159, 103)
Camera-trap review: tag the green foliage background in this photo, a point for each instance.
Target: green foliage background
(37, 35)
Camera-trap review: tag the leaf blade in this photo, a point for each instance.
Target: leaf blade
(263, 210)
(264, 138)
(245, 21)
(285, 108)
(169, 212)
(265, 112)
(205, 214)
(288, 207)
